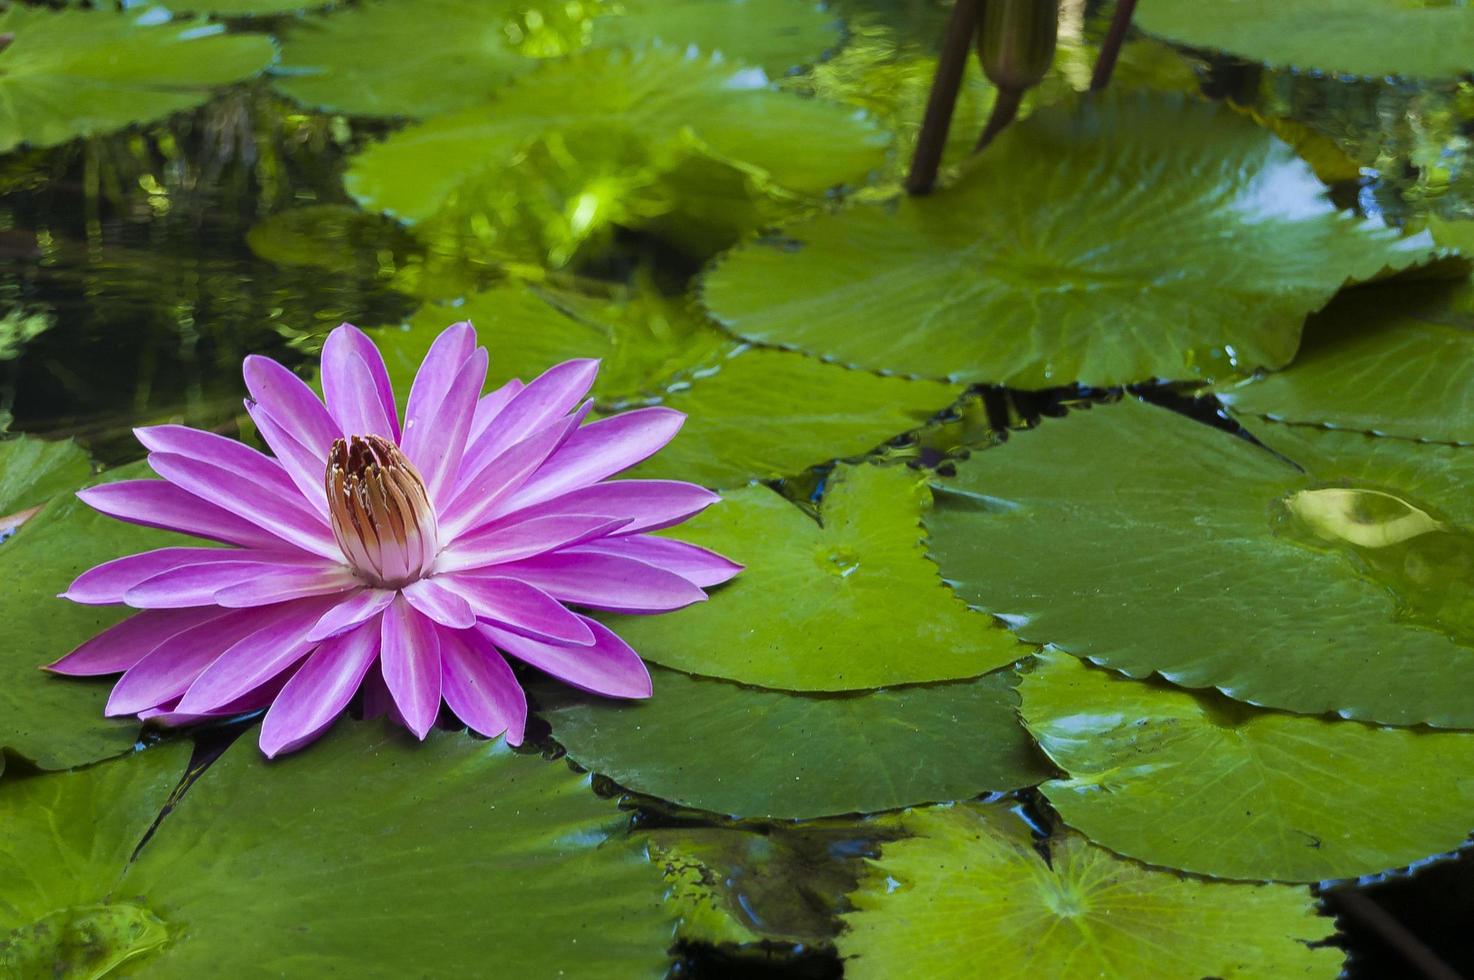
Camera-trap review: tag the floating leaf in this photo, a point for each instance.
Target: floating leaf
(70, 73)
(1353, 37)
(847, 604)
(58, 722)
(772, 34)
(764, 414)
(249, 8)
(34, 470)
(659, 101)
(1198, 782)
(975, 872)
(1044, 263)
(749, 752)
(1147, 542)
(1396, 359)
(414, 858)
(67, 839)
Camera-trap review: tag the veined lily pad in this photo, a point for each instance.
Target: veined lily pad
(67, 838)
(380, 856)
(57, 722)
(1106, 242)
(666, 103)
(845, 603)
(1355, 37)
(1198, 782)
(1395, 359)
(1147, 542)
(692, 743)
(975, 872)
(773, 34)
(70, 73)
(32, 471)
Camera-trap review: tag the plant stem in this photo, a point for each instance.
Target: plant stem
(1110, 48)
(951, 63)
(1005, 107)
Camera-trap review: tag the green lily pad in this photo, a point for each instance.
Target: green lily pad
(848, 602)
(772, 34)
(1044, 263)
(646, 342)
(67, 839)
(1147, 542)
(1396, 360)
(71, 73)
(975, 872)
(648, 109)
(747, 883)
(1201, 783)
(57, 722)
(376, 855)
(33, 471)
(1351, 37)
(693, 743)
(764, 414)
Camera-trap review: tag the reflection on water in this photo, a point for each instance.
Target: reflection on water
(1427, 563)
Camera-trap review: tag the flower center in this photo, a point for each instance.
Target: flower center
(381, 512)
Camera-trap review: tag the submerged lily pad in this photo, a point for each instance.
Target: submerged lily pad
(772, 34)
(1142, 236)
(975, 872)
(1198, 782)
(67, 838)
(33, 470)
(1147, 542)
(659, 102)
(1355, 37)
(70, 73)
(845, 603)
(1396, 359)
(748, 752)
(376, 855)
(57, 722)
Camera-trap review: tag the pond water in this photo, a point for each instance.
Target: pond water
(138, 267)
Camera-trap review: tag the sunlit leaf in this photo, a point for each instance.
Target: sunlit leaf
(749, 752)
(67, 838)
(1106, 242)
(1354, 37)
(70, 73)
(1396, 359)
(971, 895)
(1198, 782)
(847, 604)
(373, 854)
(1148, 542)
(772, 34)
(32, 471)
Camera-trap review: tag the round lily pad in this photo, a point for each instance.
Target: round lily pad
(648, 109)
(1198, 782)
(773, 34)
(70, 73)
(32, 471)
(376, 855)
(1395, 359)
(67, 838)
(975, 872)
(843, 603)
(1148, 542)
(692, 743)
(1353, 37)
(1104, 242)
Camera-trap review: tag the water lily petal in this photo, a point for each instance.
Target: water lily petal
(319, 691)
(549, 396)
(480, 688)
(159, 503)
(648, 504)
(482, 548)
(440, 604)
(256, 659)
(350, 611)
(479, 494)
(265, 474)
(436, 441)
(490, 407)
(609, 582)
(434, 380)
(197, 584)
(694, 564)
(119, 647)
(356, 385)
(609, 667)
(519, 607)
(305, 466)
(410, 660)
(294, 406)
(106, 584)
(282, 583)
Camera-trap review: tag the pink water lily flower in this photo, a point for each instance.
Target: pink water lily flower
(407, 559)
